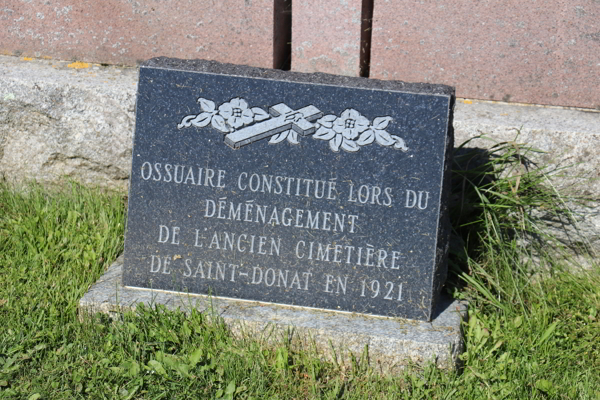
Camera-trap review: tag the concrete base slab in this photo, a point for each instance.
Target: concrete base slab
(392, 343)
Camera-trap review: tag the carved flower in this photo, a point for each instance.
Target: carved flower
(236, 112)
(351, 124)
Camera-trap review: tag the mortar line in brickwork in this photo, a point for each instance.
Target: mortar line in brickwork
(282, 34)
(365, 37)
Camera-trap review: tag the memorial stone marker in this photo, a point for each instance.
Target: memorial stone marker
(309, 190)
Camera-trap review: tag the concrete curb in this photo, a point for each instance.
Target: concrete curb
(57, 121)
(61, 120)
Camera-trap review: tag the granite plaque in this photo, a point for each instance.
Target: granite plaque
(310, 190)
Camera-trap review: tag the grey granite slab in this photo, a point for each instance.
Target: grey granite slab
(301, 189)
(392, 342)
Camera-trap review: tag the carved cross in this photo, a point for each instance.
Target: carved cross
(283, 119)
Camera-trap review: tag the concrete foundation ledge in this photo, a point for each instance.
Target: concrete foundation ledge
(60, 119)
(392, 342)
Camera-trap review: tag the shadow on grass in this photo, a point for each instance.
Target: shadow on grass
(504, 208)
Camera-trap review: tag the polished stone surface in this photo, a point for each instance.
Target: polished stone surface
(327, 36)
(310, 190)
(514, 51)
(126, 32)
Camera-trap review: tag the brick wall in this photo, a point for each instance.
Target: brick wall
(529, 51)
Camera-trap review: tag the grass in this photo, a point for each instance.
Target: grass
(533, 328)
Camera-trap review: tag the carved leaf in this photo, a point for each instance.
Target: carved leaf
(201, 120)
(383, 138)
(218, 123)
(293, 137)
(324, 133)
(206, 105)
(280, 137)
(327, 121)
(399, 145)
(260, 114)
(185, 122)
(381, 122)
(367, 137)
(336, 142)
(350, 145)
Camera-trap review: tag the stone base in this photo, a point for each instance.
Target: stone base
(392, 342)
